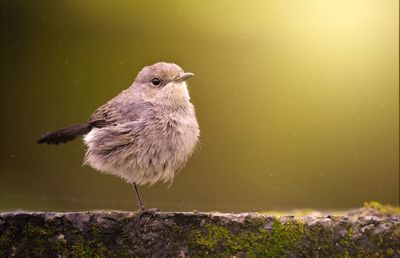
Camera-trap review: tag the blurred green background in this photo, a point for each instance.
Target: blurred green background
(298, 101)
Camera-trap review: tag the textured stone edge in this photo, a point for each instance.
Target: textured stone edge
(195, 234)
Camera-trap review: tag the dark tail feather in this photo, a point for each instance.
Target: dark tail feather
(65, 134)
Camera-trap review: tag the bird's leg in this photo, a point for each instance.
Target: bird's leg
(138, 199)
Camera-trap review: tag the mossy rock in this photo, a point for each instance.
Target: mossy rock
(195, 234)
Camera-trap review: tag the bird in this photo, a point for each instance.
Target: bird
(144, 135)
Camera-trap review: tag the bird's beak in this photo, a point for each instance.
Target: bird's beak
(184, 77)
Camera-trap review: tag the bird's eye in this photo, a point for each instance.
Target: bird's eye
(156, 81)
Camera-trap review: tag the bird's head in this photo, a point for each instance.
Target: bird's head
(163, 83)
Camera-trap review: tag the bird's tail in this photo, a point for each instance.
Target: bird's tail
(65, 134)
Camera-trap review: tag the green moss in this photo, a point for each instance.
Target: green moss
(321, 241)
(6, 242)
(257, 236)
(33, 240)
(346, 254)
(218, 241)
(350, 232)
(40, 241)
(80, 248)
(93, 247)
(95, 243)
(383, 209)
(61, 248)
(347, 241)
(390, 251)
(36, 239)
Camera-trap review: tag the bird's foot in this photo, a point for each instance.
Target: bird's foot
(144, 216)
(150, 211)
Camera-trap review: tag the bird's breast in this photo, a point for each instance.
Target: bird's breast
(168, 139)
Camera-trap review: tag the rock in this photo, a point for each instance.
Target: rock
(187, 234)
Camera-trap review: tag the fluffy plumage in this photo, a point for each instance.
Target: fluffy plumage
(145, 134)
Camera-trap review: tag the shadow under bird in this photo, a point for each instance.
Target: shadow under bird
(144, 135)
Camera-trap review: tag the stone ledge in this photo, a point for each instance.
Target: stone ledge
(195, 234)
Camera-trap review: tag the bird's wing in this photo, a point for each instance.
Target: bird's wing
(110, 142)
(122, 109)
(106, 115)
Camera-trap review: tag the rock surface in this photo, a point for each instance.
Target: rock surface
(195, 234)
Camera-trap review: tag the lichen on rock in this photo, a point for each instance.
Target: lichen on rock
(195, 234)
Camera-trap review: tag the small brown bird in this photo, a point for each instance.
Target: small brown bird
(145, 134)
